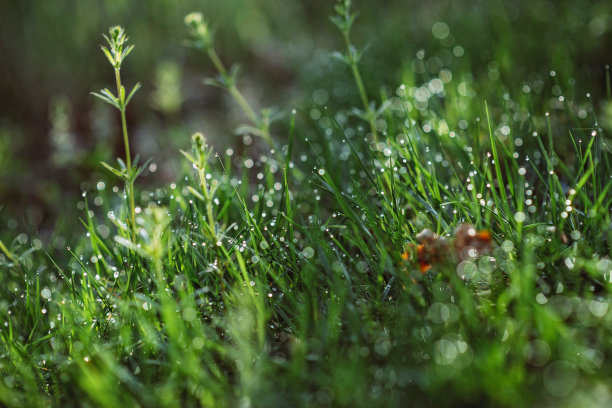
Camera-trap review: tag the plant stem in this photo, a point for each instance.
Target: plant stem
(208, 200)
(241, 100)
(128, 158)
(7, 252)
(232, 87)
(360, 86)
(243, 103)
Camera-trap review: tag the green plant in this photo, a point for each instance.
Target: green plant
(344, 20)
(200, 161)
(479, 275)
(116, 52)
(202, 38)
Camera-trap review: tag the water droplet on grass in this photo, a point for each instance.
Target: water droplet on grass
(519, 216)
(45, 293)
(308, 252)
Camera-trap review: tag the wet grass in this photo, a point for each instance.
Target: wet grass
(431, 246)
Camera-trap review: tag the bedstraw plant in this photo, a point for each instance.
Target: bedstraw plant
(202, 38)
(116, 52)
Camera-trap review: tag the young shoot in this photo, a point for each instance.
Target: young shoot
(344, 20)
(116, 52)
(202, 38)
(199, 159)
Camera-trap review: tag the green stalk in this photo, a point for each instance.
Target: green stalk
(128, 158)
(360, 86)
(240, 99)
(7, 252)
(208, 200)
(232, 88)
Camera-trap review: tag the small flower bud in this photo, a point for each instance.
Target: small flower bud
(199, 140)
(192, 20)
(198, 30)
(116, 32)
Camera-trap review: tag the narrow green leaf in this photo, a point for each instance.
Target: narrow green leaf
(189, 157)
(6, 251)
(106, 99)
(136, 88)
(108, 54)
(195, 193)
(112, 169)
(126, 52)
(130, 245)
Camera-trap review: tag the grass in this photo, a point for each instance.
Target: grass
(431, 249)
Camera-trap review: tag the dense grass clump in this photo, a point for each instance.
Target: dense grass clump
(429, 246)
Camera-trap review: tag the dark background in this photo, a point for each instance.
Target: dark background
(53, 133)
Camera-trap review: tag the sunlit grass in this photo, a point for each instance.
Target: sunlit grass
(428, 248)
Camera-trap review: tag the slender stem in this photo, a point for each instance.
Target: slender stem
(208, 199)
(126, 143)
(128, 158)
(217, 61)
(211, 220)
(7, 252)
(360, 86)
(261, 124)
(232, 88)
(356, 74)
(364, 97)
(243, 104)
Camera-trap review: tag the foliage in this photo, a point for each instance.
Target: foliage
(447, 243)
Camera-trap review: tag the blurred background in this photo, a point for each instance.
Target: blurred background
(53, 133)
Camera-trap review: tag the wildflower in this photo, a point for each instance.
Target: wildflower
(470, 243)
(433, 249)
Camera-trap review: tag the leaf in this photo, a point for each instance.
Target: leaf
(360, 114)
(214, 185)
(195, 193)
(354, 54)
(189, 157)
(215, 82)
(234, 72)
(130, 245)
(113, 170)
(137, 171)
(126, 52)
(340, 56)
(109, 94)
(351, 20)
(107, 40)
(106, 99)
(383, 107)
(6, 252)
(108, 54)
(247, 129)
(136, 88)
(337, 21)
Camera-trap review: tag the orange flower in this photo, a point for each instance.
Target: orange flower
(433, 249)
(470, 243)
